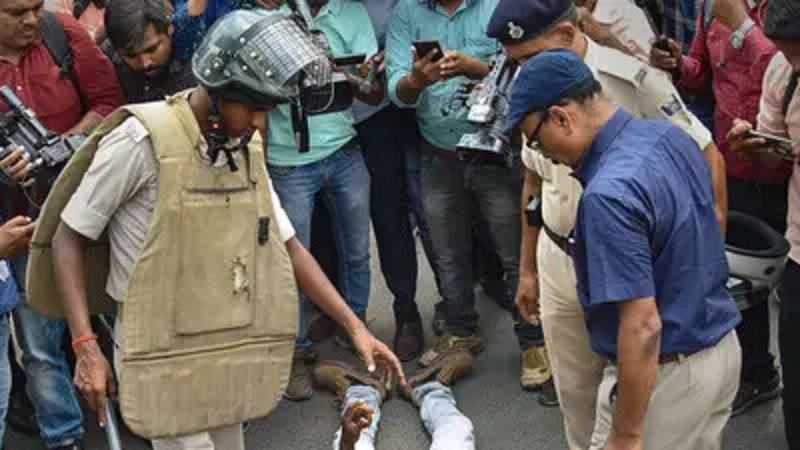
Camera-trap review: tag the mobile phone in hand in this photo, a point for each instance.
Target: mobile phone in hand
(662, 43)
(424, 47)
(770, 138)
(350, 60)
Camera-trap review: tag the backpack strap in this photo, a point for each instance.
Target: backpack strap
(788, 95)
(57, 43)
(708, 14)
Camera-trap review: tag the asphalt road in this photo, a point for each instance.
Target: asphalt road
(503, 415)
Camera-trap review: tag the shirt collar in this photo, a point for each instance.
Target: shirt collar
(608, 134)
(464, 5)
(333, 7)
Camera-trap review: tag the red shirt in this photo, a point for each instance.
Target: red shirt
(735, 77)
(56, 102)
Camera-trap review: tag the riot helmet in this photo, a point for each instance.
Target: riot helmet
(259, 57)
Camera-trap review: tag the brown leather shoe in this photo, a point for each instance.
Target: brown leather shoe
(409, 340)
(337, 376)
(449, 343)
(447, 370)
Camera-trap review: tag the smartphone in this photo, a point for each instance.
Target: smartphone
(424, 47)
(350, 60)
(770, 138)
(662, 43)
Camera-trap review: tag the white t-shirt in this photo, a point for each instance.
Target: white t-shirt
(119, 192)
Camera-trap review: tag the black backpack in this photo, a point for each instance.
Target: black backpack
(55, 39)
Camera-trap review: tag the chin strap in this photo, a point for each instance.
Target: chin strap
(220, 142)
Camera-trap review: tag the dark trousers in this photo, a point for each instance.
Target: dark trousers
(767, 202)
(383, 139)
(789, 343)
(451, 189)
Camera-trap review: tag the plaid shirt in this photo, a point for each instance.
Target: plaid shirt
(679, 20)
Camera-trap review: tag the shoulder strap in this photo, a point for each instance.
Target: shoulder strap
(57, 43)
(708, 15)
(789, 94)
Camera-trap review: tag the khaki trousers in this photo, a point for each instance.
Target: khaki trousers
(577, 370)
(223, 438)
(691, 401)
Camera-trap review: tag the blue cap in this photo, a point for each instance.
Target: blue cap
(545, 80)
(515, 21)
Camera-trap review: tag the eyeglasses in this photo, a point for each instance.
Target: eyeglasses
(533, 139)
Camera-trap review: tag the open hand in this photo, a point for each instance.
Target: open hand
(357, 417)
(371, 349)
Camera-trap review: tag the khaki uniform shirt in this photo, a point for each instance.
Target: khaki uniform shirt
(632, 84)
(119, 192)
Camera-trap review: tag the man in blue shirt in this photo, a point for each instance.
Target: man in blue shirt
(453, 180)
(649, 259)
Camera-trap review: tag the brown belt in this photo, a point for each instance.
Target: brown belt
(666, 358)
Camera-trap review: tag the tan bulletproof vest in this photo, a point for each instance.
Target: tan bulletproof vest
(211, 312)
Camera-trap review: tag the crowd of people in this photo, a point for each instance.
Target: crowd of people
(637, 130)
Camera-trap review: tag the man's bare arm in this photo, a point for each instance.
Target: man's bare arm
(639, 346)
(68, 265)
(532, 186)
(719, 180)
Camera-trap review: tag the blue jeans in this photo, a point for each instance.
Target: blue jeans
(344, 182)
(454, 189)
(382, 138)
(449, 428)
(5, 373)
(49, 386)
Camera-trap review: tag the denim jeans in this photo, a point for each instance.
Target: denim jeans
(449, 428)
(418, 221)
(382, 138)
(344, 182)
(451, 189)
(49, 385)
(5, 373)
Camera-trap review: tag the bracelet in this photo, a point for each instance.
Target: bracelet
(82, 340)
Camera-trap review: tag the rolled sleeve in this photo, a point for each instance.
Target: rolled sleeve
(658, 99)
(99, 86)
(399, 55)
(119, 169)
(618, 257)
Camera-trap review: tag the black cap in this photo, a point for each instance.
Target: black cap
(515, 21)
(782, 20)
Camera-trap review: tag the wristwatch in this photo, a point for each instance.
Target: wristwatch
(737, 38)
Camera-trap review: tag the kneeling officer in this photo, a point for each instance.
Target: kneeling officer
(169, 210)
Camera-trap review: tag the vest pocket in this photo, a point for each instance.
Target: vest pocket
(216, 280)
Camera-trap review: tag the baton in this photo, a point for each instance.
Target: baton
(112, 433)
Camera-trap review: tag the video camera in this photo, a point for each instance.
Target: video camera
(19, 128)
(487, 101)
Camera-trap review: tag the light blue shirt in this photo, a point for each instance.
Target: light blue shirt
(347, 26)
(464, 31)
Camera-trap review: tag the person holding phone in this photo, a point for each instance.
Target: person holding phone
(425, 76)
(728, 58)
(779, 115)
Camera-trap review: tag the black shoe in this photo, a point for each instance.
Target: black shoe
(409, 340)
(750, 394)
(439, 318)
(547, 394)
